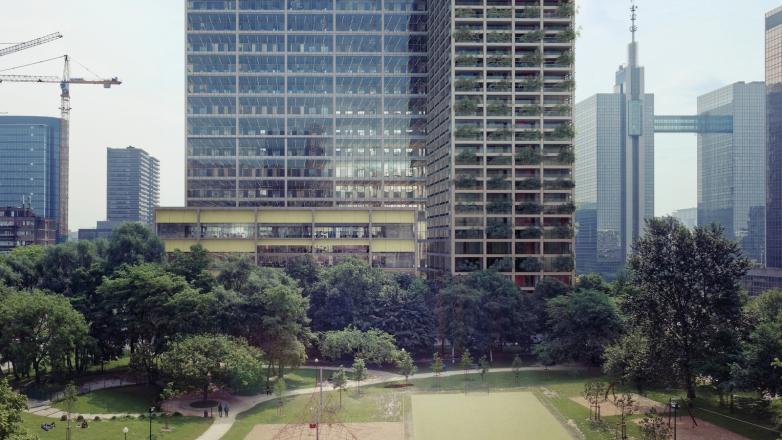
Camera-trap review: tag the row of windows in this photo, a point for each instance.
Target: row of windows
(309, 85)
(245, 231)
(308, 22)
(306, 147)
(353, 127)
(306, 64)
(306, 43)
(340, 5)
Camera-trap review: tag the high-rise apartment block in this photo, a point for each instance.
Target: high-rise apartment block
(21, 227)
(30, 171)
(132, 185)
(731, 166)
(774, 138)
(614, 170)
(335, 104)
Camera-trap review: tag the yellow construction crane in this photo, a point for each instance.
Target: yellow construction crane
(65, 115)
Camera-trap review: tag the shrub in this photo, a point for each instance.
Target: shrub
(80, 418)
(96, 418)
(63, 418)
(177, 414)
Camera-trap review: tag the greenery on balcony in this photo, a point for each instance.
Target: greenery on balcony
(499, 86)
(464, 265)
(498, 60)
(560, 232)
(467, 132)
(562, 183)
(563, 264)
(467, 13)
(531, 183)
(501, 134)
(566, 59)
(531, 84)
(528, 135)
(565, 208)
(466, 36)
(567, 85)
(499, 37)
(467, 85)
(466, 107)
(498, 160)
(529, 233)
(466, 181)
(499, 206)
(533, 58)
(469, 208)
(498, 230)
(499, 181)
(529, 110)
(530, 12)
(566, 35)
(499, 13)
(530, 264)
(563, 131)
(529, 208)
(467, 157)
(469, 234)
(531, 37)
(566, 9)
(498, 109)
(566, 156)
(503, 265)
(528, 156)
(560, 110)
(467, 61)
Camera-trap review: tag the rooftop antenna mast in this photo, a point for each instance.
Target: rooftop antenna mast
(633, 18)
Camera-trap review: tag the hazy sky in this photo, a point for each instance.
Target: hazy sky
(688, 47)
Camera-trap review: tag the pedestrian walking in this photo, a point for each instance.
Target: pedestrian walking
(225, 409)
(220, 409)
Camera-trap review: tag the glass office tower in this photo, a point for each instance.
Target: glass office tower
(731, 166)
(133, 185)
(774, 138)
(306, 103)
(499, 160)
(30, 166)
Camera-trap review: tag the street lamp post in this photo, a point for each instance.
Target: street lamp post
(151, 411)
(125, 431)
(675, 407)
(320, 405)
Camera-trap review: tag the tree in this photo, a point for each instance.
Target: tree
(592, 281)
(763, 343)
(687, 296)
(580, 325)
(485, 367)
(654, 427)
(284, 326)
(133, 243)
(168, 393)
(303, 269)
(631, 359)
(406, 315)
(24, 264)
(516, 367)
(373, 345)
(197, 362)
(437, 367)
(405, 364)
(466, 362)
(192, 266)
(458, 315)
(593, 394)
(339, 381)
(359, 372)
(11, 407)
(279, 391)
(69, 396)
(39, 330)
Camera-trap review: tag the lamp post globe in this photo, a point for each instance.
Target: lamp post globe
(125, 432)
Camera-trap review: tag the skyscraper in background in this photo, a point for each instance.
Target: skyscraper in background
(30, 167)
(132, 186)
(774, 138)
(614, 170)
(731, 166)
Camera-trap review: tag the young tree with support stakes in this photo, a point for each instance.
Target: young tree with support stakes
(437, 367)
(594, 395)
(69, 396)
(654, 427)
(627, 407)
(279, 391)
(359, 373)
(466, 363)
(339, 381)
(406, 364)
(168, 393)
(516, 366)
(485, 367)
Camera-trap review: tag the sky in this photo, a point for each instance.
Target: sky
(689, 47)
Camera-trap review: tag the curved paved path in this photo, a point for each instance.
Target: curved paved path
(240, 404)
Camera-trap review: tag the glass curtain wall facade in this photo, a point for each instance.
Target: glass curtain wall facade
(500, 138)
(731, 166)
(30, 166)
(774, 138)
(306, 103)
(133, 189)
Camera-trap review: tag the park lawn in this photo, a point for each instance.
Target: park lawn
(374, 404)
(182, 428)
(134, 399)
(302, 378)
(502, 415)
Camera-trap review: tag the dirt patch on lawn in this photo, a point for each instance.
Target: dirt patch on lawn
(608, 408)
(685, 430)
(342, 431)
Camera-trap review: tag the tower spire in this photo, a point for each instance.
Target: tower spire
(633, 18)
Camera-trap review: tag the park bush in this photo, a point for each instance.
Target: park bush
(177, 414)
(80, 418)
(96, 418)
(63, 418)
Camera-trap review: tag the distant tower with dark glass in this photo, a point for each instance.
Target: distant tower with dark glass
(731, 166)
(133, 186)
(30, 173)
(614, 169)
(774, 138)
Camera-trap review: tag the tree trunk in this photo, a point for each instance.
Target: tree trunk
(206, 391)
(690, 384)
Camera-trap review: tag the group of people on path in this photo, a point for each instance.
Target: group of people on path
(222, 409)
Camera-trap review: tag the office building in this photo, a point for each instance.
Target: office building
(688, 217)
(133, 185)
(22, 227)
(614, 170)
(731, 166)
(30, 168)
(383, 237)
(499, 139)
(774, 138)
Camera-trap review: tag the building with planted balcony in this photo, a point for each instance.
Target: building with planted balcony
(500, 138)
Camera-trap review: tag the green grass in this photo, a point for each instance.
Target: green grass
(501, 415)
(182, 428)
(303, 378)
(129, 399)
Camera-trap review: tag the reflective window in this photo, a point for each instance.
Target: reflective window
(405, 5)
(405, 43)
(261, 43)
(405, 23)
(262, 106)
(284, 231)
(262, 147)
(310, 84)
(206, 5)
(341, 231)
(310, 146)
(176, 230)
(309, 126)
(309, 43)
(310, 22)
(261, 126)
(358, 85)
(358, 5)
(405, 85)
(211, 147)
(227, 230)
(309, 106)
(310, 5)
(405, 106)
(211, 105)
(261, 5)
(211, 22)
(404, 260)
(310, 168)
(211, 126)
(310, 64)
(261, 22)
(261, 64)
(211, 43)
(211, 64)
(358, 43)
(262, 168)
(261, 84)
(359, 127)
(358, 22)
(357, 106)
(405, 64)
(358, 64)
